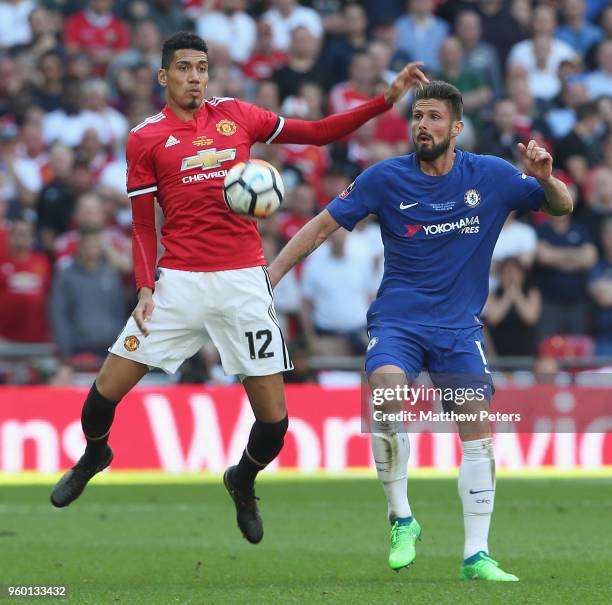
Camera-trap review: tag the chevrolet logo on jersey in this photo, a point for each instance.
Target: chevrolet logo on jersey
(208, 158)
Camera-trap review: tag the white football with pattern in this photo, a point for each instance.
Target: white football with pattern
(253, 188)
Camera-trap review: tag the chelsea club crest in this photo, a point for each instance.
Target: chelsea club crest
(472, 198)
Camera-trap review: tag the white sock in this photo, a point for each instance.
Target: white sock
(477, 493)
(391, 452)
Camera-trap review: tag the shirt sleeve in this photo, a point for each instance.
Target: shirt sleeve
(519, 191)
(357, 201)
(263, 125)
(141, 177)
(596, 273)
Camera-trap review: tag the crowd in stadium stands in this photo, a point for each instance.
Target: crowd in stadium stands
(76, 75)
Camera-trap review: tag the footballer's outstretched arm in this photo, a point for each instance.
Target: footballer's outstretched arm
(339, 125)
(539, 163)
(305, 241)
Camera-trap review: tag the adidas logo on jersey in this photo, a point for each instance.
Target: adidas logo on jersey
(171, 141)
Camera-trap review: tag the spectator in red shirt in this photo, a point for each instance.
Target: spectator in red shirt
(90, 215)
(25, 276)
(311, 161)
(302, 203)
(359, 88)
(265, 59)
(97, 32)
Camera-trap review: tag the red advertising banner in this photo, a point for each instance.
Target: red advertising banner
(188, 429)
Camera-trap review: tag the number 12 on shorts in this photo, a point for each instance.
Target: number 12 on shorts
(254, 343)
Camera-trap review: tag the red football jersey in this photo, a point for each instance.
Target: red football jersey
(184, 164)
(87, 32)
(24, 284)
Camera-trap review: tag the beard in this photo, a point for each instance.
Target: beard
(429, 154)
(193, 104)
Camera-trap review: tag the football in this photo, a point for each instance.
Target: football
(254, 188)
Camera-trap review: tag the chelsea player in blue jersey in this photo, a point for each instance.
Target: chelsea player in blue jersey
(440, 211)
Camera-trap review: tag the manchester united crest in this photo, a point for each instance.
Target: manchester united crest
(472, 198)
(131, 343)
(226, 127)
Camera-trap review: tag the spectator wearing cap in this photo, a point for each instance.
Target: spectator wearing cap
(25, 276)
(419, 33)
(285, 16)
(600, 292)
(566, 252)
(576, 29)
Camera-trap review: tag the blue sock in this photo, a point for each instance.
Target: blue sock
(474, 558)
(402, 520)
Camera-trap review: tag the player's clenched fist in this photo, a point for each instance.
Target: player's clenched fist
(536, 160)
(144, 309)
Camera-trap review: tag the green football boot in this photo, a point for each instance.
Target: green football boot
(404, 534)
(481, 567)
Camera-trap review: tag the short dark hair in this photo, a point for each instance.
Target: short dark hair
(181, 41)
(437, 89)
(586, 110)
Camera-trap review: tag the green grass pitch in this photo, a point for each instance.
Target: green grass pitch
(325, 542)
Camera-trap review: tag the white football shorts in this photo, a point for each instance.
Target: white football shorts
(234, 309)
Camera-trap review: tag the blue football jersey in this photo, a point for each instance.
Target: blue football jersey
(438, 233)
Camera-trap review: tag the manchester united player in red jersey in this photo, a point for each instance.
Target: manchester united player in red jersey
(212, 275)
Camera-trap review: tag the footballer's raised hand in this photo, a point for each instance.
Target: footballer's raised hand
(537, 160)
(144, 309)
(406, 79)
